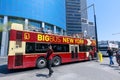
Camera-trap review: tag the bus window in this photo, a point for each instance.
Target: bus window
(103, 48)
(60, 47)
(36, 47)
(41, 47)
(30, 47)
(18, 39)
(84, 48)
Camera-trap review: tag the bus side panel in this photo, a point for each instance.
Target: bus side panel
(66, 57)
(82, 56)
(31, 60)
(10, 62)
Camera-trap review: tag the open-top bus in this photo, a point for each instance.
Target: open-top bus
(103, 46)
(28, 49)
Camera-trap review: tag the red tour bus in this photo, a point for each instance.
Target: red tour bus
(28, 49)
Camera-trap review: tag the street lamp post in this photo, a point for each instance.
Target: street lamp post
(96, 37)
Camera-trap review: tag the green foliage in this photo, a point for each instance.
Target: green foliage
(1, 27)
(5, 27)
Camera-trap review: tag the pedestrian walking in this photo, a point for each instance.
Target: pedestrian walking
(118, 57)
(49, 60)
(110, 54)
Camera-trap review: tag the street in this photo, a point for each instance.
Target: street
(87, 70)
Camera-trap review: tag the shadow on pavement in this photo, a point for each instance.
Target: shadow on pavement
(41, 75)
(113, 66)
(116, 67)
(105, 64)
(4, 71)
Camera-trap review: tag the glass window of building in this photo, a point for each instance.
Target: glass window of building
(16, 20)
(36, 24)
(51, 27)
(64, 32)
(1, 19)
(58, 30)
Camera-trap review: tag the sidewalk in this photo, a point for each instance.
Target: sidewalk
(3, 59)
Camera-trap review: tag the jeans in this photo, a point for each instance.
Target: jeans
(111, 61)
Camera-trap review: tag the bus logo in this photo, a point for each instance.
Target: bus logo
(26, 36)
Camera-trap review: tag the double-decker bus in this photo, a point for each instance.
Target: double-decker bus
(103, 46)
(28, 49)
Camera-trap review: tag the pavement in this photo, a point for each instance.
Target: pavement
(3, 60)
(88, 70)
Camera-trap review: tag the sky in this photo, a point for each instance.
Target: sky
(107, 18)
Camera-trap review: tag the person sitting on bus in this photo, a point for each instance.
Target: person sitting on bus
(49, 31)
(41, 30)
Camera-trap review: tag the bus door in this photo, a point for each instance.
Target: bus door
(16, 51)
(74, 51)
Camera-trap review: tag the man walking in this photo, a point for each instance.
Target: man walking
(110, 54)
(49, 60)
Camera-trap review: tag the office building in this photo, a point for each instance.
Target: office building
(76, 17)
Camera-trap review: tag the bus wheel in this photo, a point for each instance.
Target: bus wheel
(56, 61)
(41, 63)
(90, 57)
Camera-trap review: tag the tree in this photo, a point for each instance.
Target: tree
(5, 27)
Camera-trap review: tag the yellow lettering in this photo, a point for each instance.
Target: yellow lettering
(79, 41)
(64, 40)
(68, 40)
(71, 41)
(43, 37)
(47, 38)
(82, 41)
(40, 37)
(26, 36)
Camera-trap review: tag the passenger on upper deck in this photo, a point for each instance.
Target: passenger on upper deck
(49, 31)
(41, 30)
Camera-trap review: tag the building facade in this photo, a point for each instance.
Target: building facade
(32, 14)
(77, 19)
(75, 16)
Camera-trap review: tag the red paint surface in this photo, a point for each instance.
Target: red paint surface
(30, 60)
(33, 37)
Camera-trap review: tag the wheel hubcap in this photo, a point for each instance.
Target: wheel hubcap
(41, 63)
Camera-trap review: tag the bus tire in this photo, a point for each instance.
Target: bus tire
(56, 61)
(41, 63)
(90, 57)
